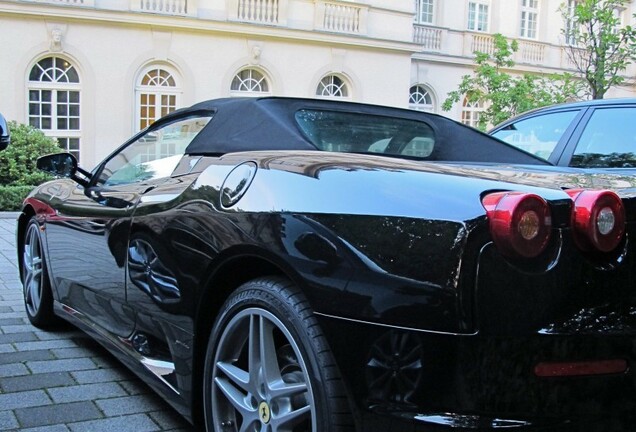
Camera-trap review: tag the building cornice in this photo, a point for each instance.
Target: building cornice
(194, 24)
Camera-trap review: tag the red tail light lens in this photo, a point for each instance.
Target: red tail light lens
(598, 219)
(520, 223)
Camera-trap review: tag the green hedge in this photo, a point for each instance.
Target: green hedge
(11, 197)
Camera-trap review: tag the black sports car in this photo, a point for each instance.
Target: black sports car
(296, 265)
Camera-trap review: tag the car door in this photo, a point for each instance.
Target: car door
(88, 237)
(606, 139)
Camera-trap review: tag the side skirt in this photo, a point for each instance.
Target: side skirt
(158, 374)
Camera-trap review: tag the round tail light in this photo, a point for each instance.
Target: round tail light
(520, 223)
(598, 219)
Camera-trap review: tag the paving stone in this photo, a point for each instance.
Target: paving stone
(18, 337)
(7, 329)
(137, 423)
(127, 405)
(99, 375)
(37, 381)
(167, 419)
(54, 428)
(135, 387)
(106, 361)
(58, 413)
(8, 421)
(6, 348)
(9, 401)
(67, 353)
(13, 369)
(58, 335)
(61, 365)
(20, 357)
(86, 392)
(44, 345)
(11, 321)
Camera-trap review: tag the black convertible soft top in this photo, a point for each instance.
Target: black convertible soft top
(270, 123)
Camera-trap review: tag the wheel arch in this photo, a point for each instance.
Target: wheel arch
(23, 219)
(226, 277)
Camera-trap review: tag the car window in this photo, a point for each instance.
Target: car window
(154, 155)
(538, 135)
(364, 133)
(608, 141)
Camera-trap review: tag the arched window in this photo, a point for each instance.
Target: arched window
(471, 112)
(420, 98)
(332, 86)
(54, 102)
(250, 81)
(156, 95)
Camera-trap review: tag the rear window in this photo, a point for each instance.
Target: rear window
(337, 131)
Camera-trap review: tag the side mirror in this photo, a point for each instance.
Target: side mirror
(59, 164)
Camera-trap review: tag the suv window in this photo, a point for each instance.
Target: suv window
(538, 135)
(608, 141)
(154, 155)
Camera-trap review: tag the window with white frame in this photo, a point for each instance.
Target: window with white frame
(421, 98)
(478, 16)
(619, 14)
(156, 95)
(333, 86)
(424, 11)
(570, 31)
(529, 18)
(250, 81)
(471, 112)
(54, 102)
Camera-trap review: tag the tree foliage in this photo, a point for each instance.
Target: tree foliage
(17, 162)
(503, 95)
(598, 46)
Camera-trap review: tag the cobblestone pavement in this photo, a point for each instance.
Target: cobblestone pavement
(63, 380)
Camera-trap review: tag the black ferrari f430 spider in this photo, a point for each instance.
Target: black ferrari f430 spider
(297, 265)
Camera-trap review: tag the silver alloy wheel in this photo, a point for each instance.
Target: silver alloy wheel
(32, 270)
(260, 377)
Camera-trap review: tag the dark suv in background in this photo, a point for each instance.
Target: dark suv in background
(590, 134)
(5, 138)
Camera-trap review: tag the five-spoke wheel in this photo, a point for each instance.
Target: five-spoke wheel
(267, 364)
(259, 374)
(38, 299)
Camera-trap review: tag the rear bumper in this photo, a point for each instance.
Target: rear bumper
(410, 380)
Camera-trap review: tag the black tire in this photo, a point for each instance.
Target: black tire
(299, 378)
(38, 297)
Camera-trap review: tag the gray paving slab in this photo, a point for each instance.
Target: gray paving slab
(63, 380)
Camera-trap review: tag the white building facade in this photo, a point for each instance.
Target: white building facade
(450, 31)
(93, 72)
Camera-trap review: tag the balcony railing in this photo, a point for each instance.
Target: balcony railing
(429, 37)
(258, 11)
(531, 52)
(165, 7)
(528, 52)
(87, 3)
(482, 43)
(341, 17)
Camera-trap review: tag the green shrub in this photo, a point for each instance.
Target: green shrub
(11, 197)
(17, 162)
